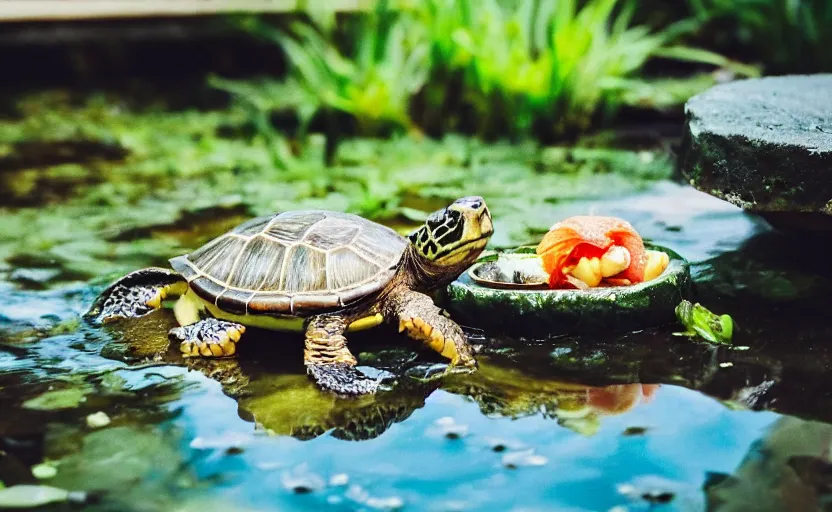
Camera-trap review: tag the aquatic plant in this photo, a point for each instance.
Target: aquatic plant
(493, 68)
(372, 79)
(786, 36)
(553, 65)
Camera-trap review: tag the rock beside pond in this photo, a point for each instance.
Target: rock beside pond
(765, 145)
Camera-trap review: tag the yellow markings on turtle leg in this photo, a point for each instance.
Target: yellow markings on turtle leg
(418, 329)
(367, 322)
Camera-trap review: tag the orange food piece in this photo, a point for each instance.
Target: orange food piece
(590, 236)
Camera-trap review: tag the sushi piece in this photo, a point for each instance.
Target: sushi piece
(582, 251)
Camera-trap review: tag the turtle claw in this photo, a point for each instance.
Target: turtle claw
(342, 379)
(208, 338)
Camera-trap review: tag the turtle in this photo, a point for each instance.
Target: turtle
(321, 272)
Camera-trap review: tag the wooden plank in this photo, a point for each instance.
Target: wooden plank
(55, 10)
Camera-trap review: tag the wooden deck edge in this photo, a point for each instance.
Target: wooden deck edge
(58, 10)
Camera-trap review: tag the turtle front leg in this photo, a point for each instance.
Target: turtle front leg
(423, 321)
(136, 294)
(328, 360)
(208, 337)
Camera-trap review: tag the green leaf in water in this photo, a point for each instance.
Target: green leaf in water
(700, 321)
(58, 399)
(30, 496)
(44, 471)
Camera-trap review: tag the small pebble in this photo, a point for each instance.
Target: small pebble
(98, 420)
(726, 365)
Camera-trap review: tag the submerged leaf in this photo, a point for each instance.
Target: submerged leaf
(58, 399)
(44, 471)
(30, 496)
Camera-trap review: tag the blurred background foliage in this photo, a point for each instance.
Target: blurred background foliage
(517, 68)
(551, 68)
(388, 113)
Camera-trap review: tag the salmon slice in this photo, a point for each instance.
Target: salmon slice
(590, 236)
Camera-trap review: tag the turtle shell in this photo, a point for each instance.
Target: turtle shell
(293, 262)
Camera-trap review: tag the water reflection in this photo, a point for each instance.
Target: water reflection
(789, 468)
(645, 421)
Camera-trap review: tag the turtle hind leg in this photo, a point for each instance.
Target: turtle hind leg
(136, 294)
(208, 337)
(328, 360)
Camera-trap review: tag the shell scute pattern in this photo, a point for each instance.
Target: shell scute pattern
(293, 261)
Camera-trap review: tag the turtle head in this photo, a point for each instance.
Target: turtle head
(454, 235)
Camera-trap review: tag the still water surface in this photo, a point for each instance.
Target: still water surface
(646, 421)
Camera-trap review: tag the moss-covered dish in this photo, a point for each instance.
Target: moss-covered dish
(534, 309)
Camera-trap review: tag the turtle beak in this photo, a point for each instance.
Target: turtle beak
(478, 212)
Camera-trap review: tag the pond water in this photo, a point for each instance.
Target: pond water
(642, 421)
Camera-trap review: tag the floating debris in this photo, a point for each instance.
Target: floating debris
(391, 503)
(515, 460)
(628, 490)
(654, 490)
(635, 431)
(339, 480)
(227, 441)
(358, 494)
(31, 496)
(658, 496)
(449, 428)
(726, 364)
(54, 400)
(98, 420)
(501, 445)
(302, 481)
(44, 471)
(699, 321)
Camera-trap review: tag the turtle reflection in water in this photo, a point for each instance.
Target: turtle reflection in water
(285, 404)
(322, 272)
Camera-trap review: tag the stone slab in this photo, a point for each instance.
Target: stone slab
(764, 145)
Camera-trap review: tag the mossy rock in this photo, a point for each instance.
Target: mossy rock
(764, 145)
(525, 312)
